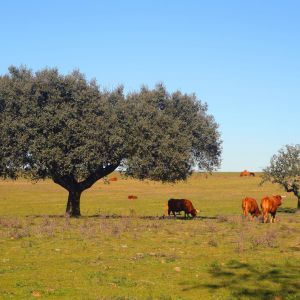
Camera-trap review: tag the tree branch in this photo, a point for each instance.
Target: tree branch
(98, 174)
(287, 188)
(67, 182)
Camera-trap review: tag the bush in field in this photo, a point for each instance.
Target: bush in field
(65, 128)
(284, 169)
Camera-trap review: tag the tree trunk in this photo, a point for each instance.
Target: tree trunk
(298, 208)
(73, 205)
(76, 188)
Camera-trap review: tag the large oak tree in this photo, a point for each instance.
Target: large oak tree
(66, 128)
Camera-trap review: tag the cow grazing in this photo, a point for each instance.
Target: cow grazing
(167, 208)
(269, 205)
(252, 174)
(249, 206)
(132, 197)
(178, 205)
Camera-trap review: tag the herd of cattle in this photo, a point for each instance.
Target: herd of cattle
(269, 205)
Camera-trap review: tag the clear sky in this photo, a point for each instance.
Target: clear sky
(241, 57)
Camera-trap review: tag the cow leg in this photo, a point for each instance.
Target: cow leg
(248, 216)
(174, 214)
(169, 212)
(273, 218)
(265, 217)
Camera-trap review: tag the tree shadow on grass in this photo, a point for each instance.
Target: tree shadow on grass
(116, 216)
(287, 210)
(246, 281)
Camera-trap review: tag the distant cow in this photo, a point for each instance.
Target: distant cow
(132, 197)
(247, 173)
(269, 205)
(244, 173)
(178, 205)
(113, 179)
(249, 206)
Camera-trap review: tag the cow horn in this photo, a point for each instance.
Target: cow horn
(197, 210)
(283, 196)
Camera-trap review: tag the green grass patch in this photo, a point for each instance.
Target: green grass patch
(123, 249)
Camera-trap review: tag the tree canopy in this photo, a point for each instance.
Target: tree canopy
(284, 169)
(66, 128)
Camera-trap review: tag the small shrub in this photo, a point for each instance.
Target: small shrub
(19, 233)
(221, 219)
(211, 226)
(267, 239)
(215, 266)
(236, 220)
(213, 243)
(47, 227)
(10, 222)
(115, 231)
(240, 241)
(132, 213)
(104, 227)
(124, 225)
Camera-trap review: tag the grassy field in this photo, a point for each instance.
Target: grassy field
(123, 249)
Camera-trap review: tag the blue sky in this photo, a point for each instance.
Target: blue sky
(241, 57)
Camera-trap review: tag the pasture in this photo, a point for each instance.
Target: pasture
(123, 249)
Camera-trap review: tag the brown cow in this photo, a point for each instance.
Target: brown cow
(177, 205)
(112, 179)
(247, 173)
(132, 197)
(249, 206)
(269, 205)
(244, 173)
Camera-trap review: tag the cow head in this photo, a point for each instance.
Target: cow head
(194, 212)
(279, 199)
